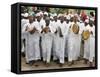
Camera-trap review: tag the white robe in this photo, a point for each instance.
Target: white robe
(81, 27)
(54, 28)
(32, 43)
(23, 22)
(89, 44)
(41, 25)
(66, 39)
(73, 44)
(46, 44)
(59, 42)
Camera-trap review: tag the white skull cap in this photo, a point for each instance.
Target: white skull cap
(46, 13)
(25, 15)
(87, 20)
(51, 17)
(54, 14)
(38, 14)
(41, 13)
(72, 15)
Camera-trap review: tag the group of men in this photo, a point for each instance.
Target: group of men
(47, 36)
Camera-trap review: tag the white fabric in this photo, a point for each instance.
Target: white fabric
(87, 20)
(38, 14)
(24, 14)
(68, 17)
(89, 44)
(41, 13)
(92, 19)
(73, 44)
(32, 43)
(54, 14)
(42, 23)
(23, 22)
(46, 44)
(66, 39)
(45, 13)
(81, 27)
(59, 42)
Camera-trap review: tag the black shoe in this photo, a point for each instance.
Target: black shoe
(61, 65)
(85, 61)
(90, 64)
(47, 64)
(31, 63)
(44, 62)
(57, 61)
(79, 58)
(27, 63)
(36, 65)
(23, 54)
(70, 63)
(66, 58)
(74, 62)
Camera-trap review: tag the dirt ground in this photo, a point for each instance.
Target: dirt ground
(53, 65)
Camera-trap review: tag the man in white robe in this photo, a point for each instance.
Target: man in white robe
(81, 27)
(41, 23)
(55, 34)
(59, 41)
(92, 45)
(24, 21)
(54, 29)
(81, 46)
(32, 30)
(67, 25)
(40, 20)
(46, 43)
(73, 43)
(89, 44)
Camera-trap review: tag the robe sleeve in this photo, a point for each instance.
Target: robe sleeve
(38, 27)
(94, 31)
(24, 28)
(81, 27)
(66, 29)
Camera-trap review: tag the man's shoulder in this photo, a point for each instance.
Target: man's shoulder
(27, 24)
(35, 22)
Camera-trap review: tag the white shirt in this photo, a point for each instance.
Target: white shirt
(54, 26)
(64, 27)
(37, 25)
(88, 27)
(42, 23)
(23, 22)
(32, 25)
(50, 26)
(81, 27)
